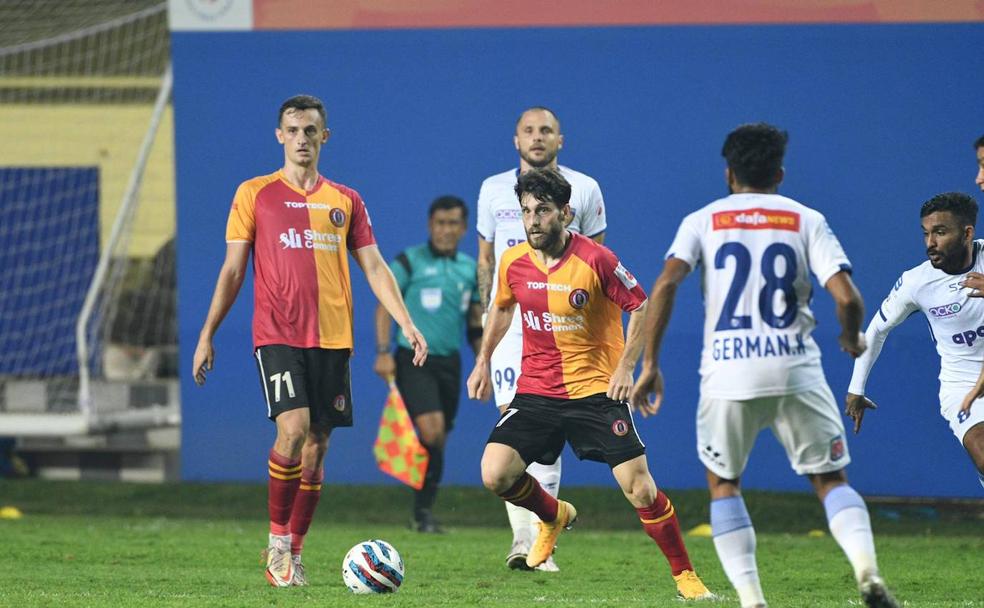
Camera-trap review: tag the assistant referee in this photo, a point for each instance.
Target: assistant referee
(438, 285)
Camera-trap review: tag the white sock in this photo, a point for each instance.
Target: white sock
(549, 477)
(519, 521)
(734, 540)
(280, 542)
(850, 525)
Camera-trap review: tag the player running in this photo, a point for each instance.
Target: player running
(941, 289)
(300, 227)
(538, 140)
(576, 374)
(760, 368)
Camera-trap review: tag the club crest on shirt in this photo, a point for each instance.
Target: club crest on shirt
(578, 298)
(337, 217)
(339, 403)
(620, 427)
(837, 448)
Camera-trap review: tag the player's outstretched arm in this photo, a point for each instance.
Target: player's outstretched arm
(479, 381)
(620, 386)
(227, 287)
(659, 309)
(974, 281)
(384, 286)
(850, 312)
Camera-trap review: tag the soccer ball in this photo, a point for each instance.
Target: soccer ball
(372, 566)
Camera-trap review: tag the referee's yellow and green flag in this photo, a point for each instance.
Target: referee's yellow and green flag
(398, 449)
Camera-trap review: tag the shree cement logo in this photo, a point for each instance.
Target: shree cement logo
(310, 239)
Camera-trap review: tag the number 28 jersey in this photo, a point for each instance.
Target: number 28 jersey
(756, 253)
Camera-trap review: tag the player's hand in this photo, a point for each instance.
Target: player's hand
(417, 342)
(202, 361)
(650, 382)
(855, 406)
(853, 345)
(976, 393)
(974, 281)
(479, 381)
(620, 386)
(385, 366)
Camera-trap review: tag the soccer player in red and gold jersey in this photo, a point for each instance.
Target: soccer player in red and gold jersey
(576, 374)
(300, 227)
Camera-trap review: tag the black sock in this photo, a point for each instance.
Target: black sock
(424, 498)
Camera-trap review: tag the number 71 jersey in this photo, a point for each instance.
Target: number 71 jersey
(756, 252)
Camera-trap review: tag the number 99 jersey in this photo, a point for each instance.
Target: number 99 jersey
(756, 253)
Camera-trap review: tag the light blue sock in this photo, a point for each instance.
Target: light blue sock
(850, 525)
(734, 540)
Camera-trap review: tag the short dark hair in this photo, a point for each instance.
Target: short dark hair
(303, 102)
(446, 203)
(545, 184)
(754, 153)
(962, 206)
(979, 143)
(538, 109)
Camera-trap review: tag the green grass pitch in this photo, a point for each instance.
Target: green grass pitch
(121, 545)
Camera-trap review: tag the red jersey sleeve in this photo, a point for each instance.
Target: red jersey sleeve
(241, 225)
(619, 284)
(360, 229)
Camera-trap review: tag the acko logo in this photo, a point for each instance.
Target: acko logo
(947, 310)
(578, 298)
(968, 337)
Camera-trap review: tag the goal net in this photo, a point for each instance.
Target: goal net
(87, 288)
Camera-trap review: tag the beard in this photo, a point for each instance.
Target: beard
(548, 239)
(538, 163)
(950, 260)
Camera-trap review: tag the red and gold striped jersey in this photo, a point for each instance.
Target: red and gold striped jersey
(302, 291)
(571, 315)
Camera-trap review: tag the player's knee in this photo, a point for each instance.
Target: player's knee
(495, 477)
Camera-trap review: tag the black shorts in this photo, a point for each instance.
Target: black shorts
(598, 428)
(435, 387)
(315, 378)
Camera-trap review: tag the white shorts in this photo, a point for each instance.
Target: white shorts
(950, 401)
(807, 424)
(506, 360)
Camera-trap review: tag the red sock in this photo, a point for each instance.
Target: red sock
(660, 522)
(528, 493)
(285, 477)
(304, 505)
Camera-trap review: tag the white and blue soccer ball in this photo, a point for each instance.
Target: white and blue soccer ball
(372, 566)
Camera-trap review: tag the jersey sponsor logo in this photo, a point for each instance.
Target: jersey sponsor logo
(508, 215)
(756, 219)
(337, 217)
(547, 321)
(310, 239)
(543, 285)
(625, 276)
(968, 337)
(305, 205)
(620, 427)
(514, 242)
(947, 310)
(578, 298)
(759, 347)
(837, 448)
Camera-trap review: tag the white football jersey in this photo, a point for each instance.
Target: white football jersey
(500, 220)
(956, 322)
(756, 252)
